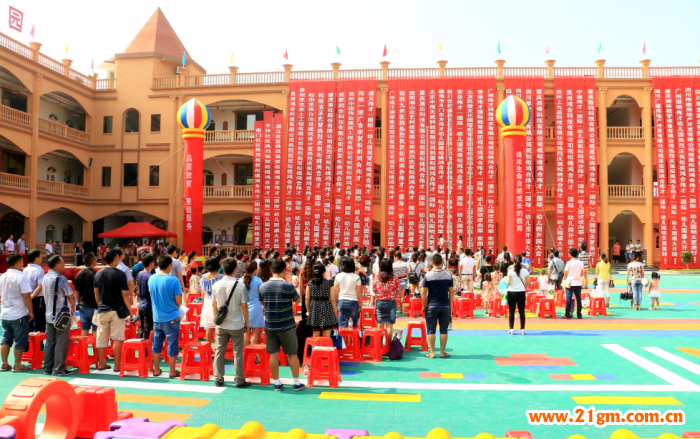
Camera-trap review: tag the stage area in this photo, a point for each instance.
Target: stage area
(627, 360)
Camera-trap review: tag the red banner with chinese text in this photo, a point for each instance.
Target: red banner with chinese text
(267, 176)
(276, 190)
(591, 133)
(257, 184)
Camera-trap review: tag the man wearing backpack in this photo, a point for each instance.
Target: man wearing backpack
(57, 292)
(556, 270)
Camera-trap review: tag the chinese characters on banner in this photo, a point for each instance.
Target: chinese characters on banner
(591, 131)
(267, 176)
(436, 128)
(16, 18)
(676, 106)
(257, 184)
(193, 193)
(277, 235)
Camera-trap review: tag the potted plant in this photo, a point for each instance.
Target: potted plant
(686, 257)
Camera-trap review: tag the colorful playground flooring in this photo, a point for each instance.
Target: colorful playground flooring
(630, 360)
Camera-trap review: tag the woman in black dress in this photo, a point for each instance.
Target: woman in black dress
(322, 305)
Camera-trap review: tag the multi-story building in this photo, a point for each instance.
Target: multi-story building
(83, 154)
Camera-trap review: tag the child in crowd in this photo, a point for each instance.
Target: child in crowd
(295, 279)
(195, 282)
(654, 291)
(487, 292)
(543, 282)
(456, 282)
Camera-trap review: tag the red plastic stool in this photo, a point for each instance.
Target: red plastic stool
(547, 308)
(478, 302)
(465, 307)
(201, 330)
(412, 340)
(282, 358)
(194, 310)
(129, 330)
(597, 306)
(469, 295)
(133, 357)
(497, 309)
(252, 370)
(561, 298)
(313, 342)
(529, 303)
(535, 301)
(368, 318)
(372, 343)
(192, 365)
(192, 297)
(35, 355)
(186, 333)
(416, 308)
(455, 307)
(78, 355)
(324, 366)
(352, 344)
(585, 296)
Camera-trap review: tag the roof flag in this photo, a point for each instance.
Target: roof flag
(285, 54)
(231, 56)
(31, 32)
(644, 48)
(337, 50)
(184, 58)
(547, 49)
(440, 47)
(66, 49)
(384, 54)
(499, 47)
(600, 47)
(92, 65)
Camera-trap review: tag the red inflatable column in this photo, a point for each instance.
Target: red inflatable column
(194, 118)
(513, 115)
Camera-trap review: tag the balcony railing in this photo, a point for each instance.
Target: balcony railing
(549, 132)
(377, 133)
(229, 192)
(58, 188)
(377, 191)
(106, 84)
(13, 181)
(622, 133)
(55, 128)
(230, 136)
(207, 249)
(260, 78)
(15, 116)
(626, 191)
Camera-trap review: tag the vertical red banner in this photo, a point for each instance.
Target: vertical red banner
(257, 184)
(328, 127)
(367, 177)
(478, 212)
(390, 227)
(591, 133)
(580, 163)
(413, 156)
(560, 163)
(658, 99)
(541, 226)
(470, 168)
(458, 164)
(341, 224)
(277, 154)
(691, 153)
(299, 224)
(289, 176)
(193, 194)
(672, 173)
(267, 176)
(491, 166)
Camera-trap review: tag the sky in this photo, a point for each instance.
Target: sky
(259, 32)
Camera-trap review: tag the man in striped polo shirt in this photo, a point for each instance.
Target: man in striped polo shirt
(280, 328)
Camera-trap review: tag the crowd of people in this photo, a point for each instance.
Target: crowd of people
(243, 294)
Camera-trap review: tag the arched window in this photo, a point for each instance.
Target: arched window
(207, 235)
(243, 232)
(376, 180)
(224, 179)
(11, 224)
(68, 177)
(224, 126)
(67, 233)
(69, 123)
(208, 178)
(159, 224)
(50, 233)
(51, 173)
(212, 125)
(131, 121)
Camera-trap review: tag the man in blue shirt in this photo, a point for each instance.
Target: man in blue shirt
(280, 328)
(145, 309)
(437, 295)
(166, 297)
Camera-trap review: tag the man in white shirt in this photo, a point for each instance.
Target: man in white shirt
(572, 272)
(10, 245)
(123, 268)
(49, 248)
(177, 266)
(16, 312)
(467, 268)
(501, 256)
(22, 245)
(35, 276)
(638, 246)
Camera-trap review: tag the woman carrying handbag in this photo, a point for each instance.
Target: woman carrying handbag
(518, 278)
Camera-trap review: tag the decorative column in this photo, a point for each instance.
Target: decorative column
(234, 71)
(649, 242)
(385, 70)
(501, 185)
(441, 66)
(604, 243)
(287, 71)
(550, 68)
(194, 117)
(36, 49)
(182, 76)
(645, 68)
(66, 66)
(87, 232)
(93, 81)
(31, 231)
(601, 68)
(499, 65)
(336, 67)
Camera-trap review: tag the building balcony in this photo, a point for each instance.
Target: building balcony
(627, 191)
(206, 249)
(625, 133)
(229, 136)
(377, 192)
(16, 116)
(57, 129)
(13, 181)
(58, 188)
(239, 192)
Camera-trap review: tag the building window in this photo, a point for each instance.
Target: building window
(208, 178)
(159, 224)
(50, 233)
(131, 121)
(155, 123)
(107, 125)
(154, 176)
(12, 163)
(67, 233)
(244, 174)
(224, 126)
(207, 236)
(131, 174)
(68, 177)
(51, 173)
(212, 125)
(12, 100)
(106, 176)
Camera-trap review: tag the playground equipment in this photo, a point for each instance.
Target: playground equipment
(91, 412)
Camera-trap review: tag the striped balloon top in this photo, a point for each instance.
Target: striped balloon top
(513, 111)
(194, 114)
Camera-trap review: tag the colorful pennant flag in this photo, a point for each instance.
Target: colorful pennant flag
(547, 49)
(231, 56)
(499, 47)
(16, 19)
(384, 54)
(184, 58)
(600, 47)
(31, 32)
(644, 48)
(285, 54)
(337, 49)
(66, 49)
(440, 47)
(92, 65)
